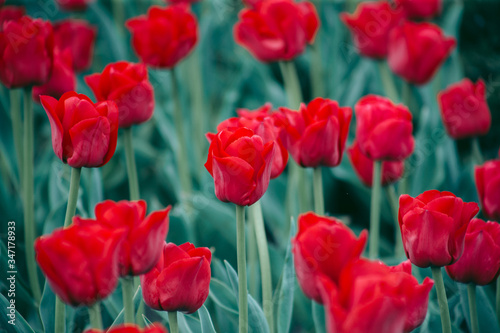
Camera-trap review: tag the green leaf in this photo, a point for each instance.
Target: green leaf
(20, 325)
(205, 321)
(47, 308)
(147, 321)
(318, 312)
(188, 324)
(486, 314)
(223, 296)
(137, 301)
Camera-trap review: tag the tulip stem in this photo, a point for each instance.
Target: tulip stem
(242, 269)
(375, 210)
(317, 83)
(74, 185)
(60, 316)
(133, 181)
(172, 321)
(28, 189)
(255, 214)
(95, 315)
(128, 298)
(292, 83)
(182, 159)
(319, 202)
(443, 302)
(17, 129)
(391, 195)
(471, 292)
(388, 81)
(476, 151)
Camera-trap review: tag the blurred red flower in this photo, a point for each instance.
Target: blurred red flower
(79, 37)
(488, 188)
(420, 9)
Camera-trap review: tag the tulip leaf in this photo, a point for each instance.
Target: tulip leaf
(205, 321)
(486, 314)
(147, 321)
(318, 312)
(20, 325)
(137, 302)
(233, 278)
(188, 324)
(223, 296)
(47, 309)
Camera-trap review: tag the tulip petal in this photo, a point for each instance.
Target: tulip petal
(50, 104)
(233, 178)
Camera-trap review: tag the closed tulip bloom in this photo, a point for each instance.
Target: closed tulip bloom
(275, 30)
(323, 246)
(62, 79)
(126, 84)
(180, 280)
(26, 52)
(144, 235)
(80, 263)
(433, 227)
(131, 328)
(74, 5)
(165, 36)
(416, 50)
(10, 13)
(241, 164)
(420, 9)
(263, 123)
(316, 135)
(488, 188)
(464, 109)
(383, 130)
(480, 263)
(370, 25)
(363, 166)
(84, 134)
(79, 37)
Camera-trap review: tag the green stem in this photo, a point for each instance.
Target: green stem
(172, 321)
(476, 151)
(255, 212)
(95, 315)
(182, 160)
(133, 181)
(391, 195)
(319, 202)
(253, 261)
(388, 81)
(318, 86)
(128, 299)
(17, 129)
(375, 210)
(292, 84)
(498, 300)
(118, 10)
(443, 302)
(471, 292)
(73, 195)
(28, 189)
(242, 269)
(303, 189)
(60, 316)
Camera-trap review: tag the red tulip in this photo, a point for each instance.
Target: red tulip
(180, 281)
(433, 227)
(79, 37)
(131, 328)
(165, 36)
(480, 263)
(80, 263)
(370, 25)
(83, 134)
(464, 109)
(61, 80)
(263, 123)
(276, 29)
(26, 52)
(10, 13)
(383, 130)
(74, 5)
(144, 237)
(488, 188)
(126, 84)
(421, 9)
(315, 135)
(416, 50)
(241, 165)
(363, 166)
(323, 246)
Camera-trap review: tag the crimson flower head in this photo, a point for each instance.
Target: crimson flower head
(126, 84)
(488, 188)
(315, 135)
(165, 36)
(275, 30)
(480, 263)
(131, 328)
(420, 9)
(323, 246)
(9, 13)
(370, 25)
(263, 123)
(416, 50)
(74, 5)
(26, 52)
(180, 280)
(464, 109)
(84, 134)
(80, 262)
(144, 235)
(383, 130)
(79, 37)
(433, 227)
(241, 164)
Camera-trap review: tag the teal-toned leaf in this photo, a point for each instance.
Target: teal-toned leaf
(318, 312)
(188, 323)
(137, 301)
(486, 314)
(47, 308)
(18, 325)
(147, 321)
(223, 296)
(233, 278)
(205, 320)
